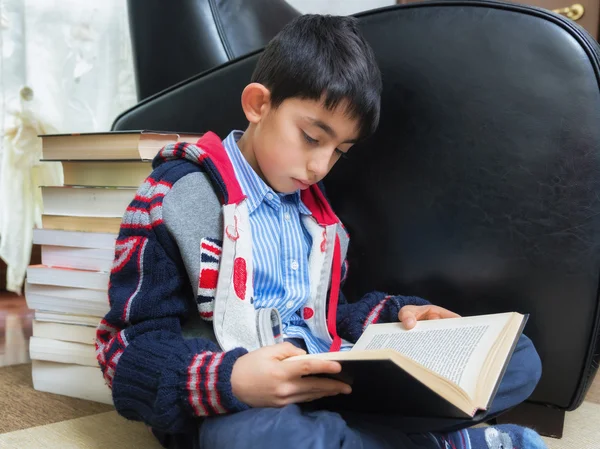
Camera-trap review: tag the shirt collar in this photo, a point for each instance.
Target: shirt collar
(255, 189)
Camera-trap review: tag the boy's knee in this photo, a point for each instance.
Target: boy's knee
(525, 369)
(532, 360)
(520, 379)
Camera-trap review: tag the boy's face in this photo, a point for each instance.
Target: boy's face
(297, 143)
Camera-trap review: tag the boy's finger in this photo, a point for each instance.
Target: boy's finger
(307, 367)
(308, 397)
(321, 385)
(445, 313)
(407, 317)
(311, 386)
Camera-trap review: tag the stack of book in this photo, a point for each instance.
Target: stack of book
(69, 290)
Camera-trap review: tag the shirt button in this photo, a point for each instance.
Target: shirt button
(294, 265)
(287, 216)
(290, 304)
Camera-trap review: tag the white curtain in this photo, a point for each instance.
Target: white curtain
(65, 66)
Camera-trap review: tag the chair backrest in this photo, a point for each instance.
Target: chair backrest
(480, 190)
(172, 42)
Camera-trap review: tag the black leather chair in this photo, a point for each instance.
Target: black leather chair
(480, 190)
(173, 41)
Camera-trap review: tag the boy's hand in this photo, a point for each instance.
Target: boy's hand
(261, 378)
(409, 315)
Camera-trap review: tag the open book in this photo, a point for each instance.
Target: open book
(442, 368)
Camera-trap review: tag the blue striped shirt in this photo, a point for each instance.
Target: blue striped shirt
(280, 249)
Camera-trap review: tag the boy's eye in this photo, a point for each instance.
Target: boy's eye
(309, 139)
(341, 154)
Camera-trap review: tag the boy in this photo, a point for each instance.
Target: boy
(230, 259)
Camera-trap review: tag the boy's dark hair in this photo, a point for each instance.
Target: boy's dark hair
(316, 57)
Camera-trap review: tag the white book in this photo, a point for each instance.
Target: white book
(76, 333)
(74, 238)
(76, 301)
(86, 201)
(95, 259)
(452, 367)
(67, 277)
(53, 350)
(77, 381)
(67, 318)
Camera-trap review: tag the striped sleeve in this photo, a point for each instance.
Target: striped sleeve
(156, 375)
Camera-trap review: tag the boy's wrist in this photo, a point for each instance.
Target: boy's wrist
(207, 388)
(224, 384)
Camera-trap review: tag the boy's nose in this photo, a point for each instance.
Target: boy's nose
(319, 164)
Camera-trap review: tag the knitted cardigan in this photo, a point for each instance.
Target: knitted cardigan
(181, 291)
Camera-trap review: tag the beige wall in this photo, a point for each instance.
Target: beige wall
(337, 7)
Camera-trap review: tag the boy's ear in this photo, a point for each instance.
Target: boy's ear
(256, 100)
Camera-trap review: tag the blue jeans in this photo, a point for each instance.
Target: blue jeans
(294, 427)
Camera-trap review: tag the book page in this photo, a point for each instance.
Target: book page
(454, 348)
